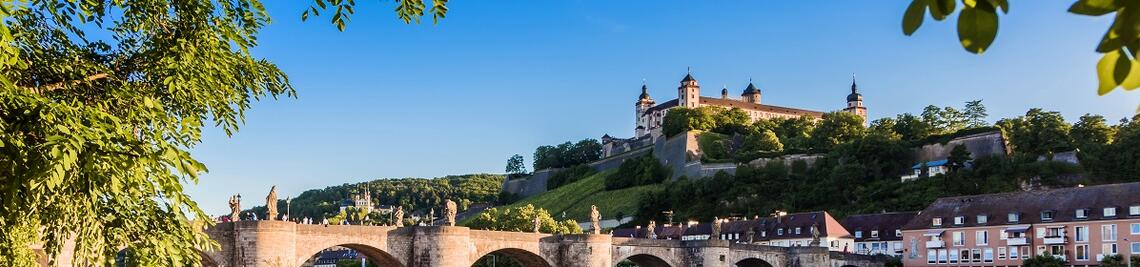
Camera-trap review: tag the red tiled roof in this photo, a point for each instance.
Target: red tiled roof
(1030, 204)
(885, 223)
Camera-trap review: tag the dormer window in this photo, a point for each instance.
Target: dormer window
(960, 220)
(874, 234)
(763, 233)
(1134, 210)
(1110, 212)
(858, 234)
(936, 221)
(1047, 215)
(1014, 217)
(780, 231)
(983, 219)
(797, 230)
(898, 233)
(1082, 213)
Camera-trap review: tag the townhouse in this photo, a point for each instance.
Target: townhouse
(1080, 225)
(878, 234)
(787, 230)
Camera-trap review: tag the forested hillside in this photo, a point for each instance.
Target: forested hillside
(415, 195)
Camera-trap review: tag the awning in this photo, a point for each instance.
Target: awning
(1017, 229)
(934, 233)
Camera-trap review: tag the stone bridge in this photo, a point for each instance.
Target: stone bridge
(277, 243)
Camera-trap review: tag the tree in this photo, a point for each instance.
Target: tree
(884, 127)
(515, 165)
(932, 115)
(732, 121)
(958, 158)
(954, 120)
(911, 128)
(680, 120)
(836, 128)
(1038, 132)
(978, 24)
(95, 132)
(795, 133)
(521, 219)
(1043, 261)
(1113, 261)
(975, 113)
(1091, 132)
(765, 140)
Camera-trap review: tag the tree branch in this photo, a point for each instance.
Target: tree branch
(58, 85)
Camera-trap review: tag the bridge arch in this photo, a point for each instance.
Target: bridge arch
(645, 260)
(752, 262)
(522, 256)
(375, 255)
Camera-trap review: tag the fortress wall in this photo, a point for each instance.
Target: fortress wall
(981, 144)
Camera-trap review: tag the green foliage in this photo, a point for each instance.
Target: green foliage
(355, 263)
(714, 145)
(521, 219)
(413, 194)
(837, 128)
(569, 175)
(958, 158)
(100, 102)
(515, 165)
(1091, 132)
(795, 133)
(496, 259)
(567, 154)
(679, 120)
(573, 200)
(975, 113)
(644, 170)
(406, 10)
(977, 24)
(1038, 132)
(766, 140)
(1043, 261)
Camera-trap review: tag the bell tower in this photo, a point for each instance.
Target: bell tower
(689, 93)
(855, 102)
(644, 102)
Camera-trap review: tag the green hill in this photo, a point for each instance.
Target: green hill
(575, 199)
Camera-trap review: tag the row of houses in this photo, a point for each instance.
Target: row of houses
(1080, 225)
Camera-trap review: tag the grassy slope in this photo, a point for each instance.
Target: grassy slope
(575, 199)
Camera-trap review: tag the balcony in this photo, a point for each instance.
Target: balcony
(935, 244)
(1017, 241)
(1055, 240)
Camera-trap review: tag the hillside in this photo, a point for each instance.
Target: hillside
(415, 195)
(575, 199)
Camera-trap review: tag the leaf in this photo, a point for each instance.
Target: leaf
(1003, 4)
(977, 28)
(1110, 41)
(915, 14)
(940, 9)
(1106, 71)
(1094, 7)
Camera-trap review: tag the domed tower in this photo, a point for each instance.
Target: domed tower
(855, 101)
(724, 93)
(644, 102)
(689, 93)
(751, 93)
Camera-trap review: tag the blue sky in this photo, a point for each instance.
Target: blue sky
(384, 99)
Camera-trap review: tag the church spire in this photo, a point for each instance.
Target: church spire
(853, 88)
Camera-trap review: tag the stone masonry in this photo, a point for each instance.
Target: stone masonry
(279, 243)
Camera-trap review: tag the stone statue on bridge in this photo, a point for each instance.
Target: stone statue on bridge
(449, 210)
(235, 208)
(650, 231)
(814, 235)
(715, 234)
(537, 224)
(271, 204)
(398, 217)
(595, 220)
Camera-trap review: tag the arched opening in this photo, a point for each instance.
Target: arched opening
(511, 257)
(752, 262)
(351, 255)
(642, 260)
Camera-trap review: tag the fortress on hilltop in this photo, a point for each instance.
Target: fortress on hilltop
(650, 116)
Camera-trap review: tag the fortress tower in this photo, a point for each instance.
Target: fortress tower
(751, 93)
(855, 101)
(689, 93)
(644, 102)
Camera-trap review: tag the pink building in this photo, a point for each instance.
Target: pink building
(1080, 225)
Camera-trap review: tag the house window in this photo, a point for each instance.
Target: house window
(1110, 212)
(965, 255)
(1081, 233)
(959, 238)
(977, 255)
(1047, 215)
(1082, 252)
(942, 256)
(1134, 210)
(858, 234)
(960, 220)
(1014, 217)
(953, 256)
(797, 230)
(1136, 229)
(763, 233)
(1108, 232)
(936, 222)
(1012, 253)
(1135, 248)
(1055, 231)
(780, 231)
(1108, 249)
(898, 233)
(983, 237)
(982, 219)
(1082, 213)
(874, 234)
(1024, 252)
(988, 255)
(1057, 250)
(1001, 253)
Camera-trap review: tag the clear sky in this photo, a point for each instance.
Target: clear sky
(495, 78)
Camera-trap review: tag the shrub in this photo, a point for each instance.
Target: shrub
(1043, 261)
(642, 170)
(569, 175)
